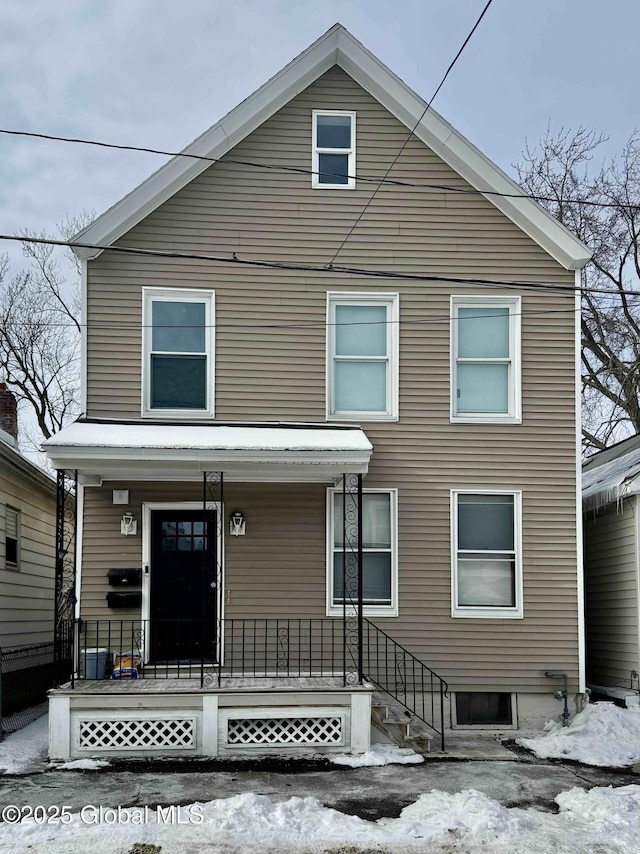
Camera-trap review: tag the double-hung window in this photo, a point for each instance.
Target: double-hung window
(362, 357)
(334, 149)
(485, 360)
(379, 552)
(12, 538)
(178, 349)
(486, 554)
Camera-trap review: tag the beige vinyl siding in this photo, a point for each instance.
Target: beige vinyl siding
(27, 593)
(278, 569)
(265, 373)
(611, 579)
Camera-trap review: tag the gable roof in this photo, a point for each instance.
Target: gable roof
(338, 47)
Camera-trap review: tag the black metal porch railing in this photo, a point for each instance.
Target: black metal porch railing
(259, 648)
(403, 676)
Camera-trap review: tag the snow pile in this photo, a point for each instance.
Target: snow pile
(25, 750)
(380, 754)
(599, 820)
(80, 765)
(464, 815)
(602, 734)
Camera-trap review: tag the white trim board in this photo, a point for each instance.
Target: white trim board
(338, 47)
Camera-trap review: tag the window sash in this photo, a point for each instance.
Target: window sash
(504, 585)
(510, 411)
(12, 540)
(387, 605)
(389, 359)
(350, 152)
(11, 523)
(203, 297)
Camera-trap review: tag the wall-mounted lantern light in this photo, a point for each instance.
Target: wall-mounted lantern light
(128, 525)
(237, 524)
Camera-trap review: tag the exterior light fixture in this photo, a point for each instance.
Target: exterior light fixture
(128, 525)
(237, 524)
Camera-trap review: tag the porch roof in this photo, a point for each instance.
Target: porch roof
(258, 451)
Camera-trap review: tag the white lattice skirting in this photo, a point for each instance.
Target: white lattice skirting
(137, 733)
(160, 723)
(284, 731)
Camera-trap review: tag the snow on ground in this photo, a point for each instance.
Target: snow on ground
(380, 754)
(25, 750)
(602, 734)
(80, 765)
(604, 820)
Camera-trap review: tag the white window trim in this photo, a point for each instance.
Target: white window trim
(9, 566)
(178, 295)
(484, 612)
(392, 302)
(514, 416)
(350, 152)
(368, 610)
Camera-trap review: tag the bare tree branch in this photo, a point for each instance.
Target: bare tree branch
(40, 331)
(561, 167)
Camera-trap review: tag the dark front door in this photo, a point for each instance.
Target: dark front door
(183, 590)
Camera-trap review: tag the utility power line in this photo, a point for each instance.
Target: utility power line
(281, 167)
(312, 325)
(411, 133)
(318, 268)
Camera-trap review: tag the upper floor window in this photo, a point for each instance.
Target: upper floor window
(486, 554)
(362, 357)
(12, 538)
(485, 359)
(334, 149)
(177, 366)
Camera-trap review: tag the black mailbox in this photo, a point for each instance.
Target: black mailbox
(124, 577)
(124, 599)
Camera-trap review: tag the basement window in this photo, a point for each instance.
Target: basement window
(483, 708)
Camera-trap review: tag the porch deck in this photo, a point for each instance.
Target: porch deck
(192, 686)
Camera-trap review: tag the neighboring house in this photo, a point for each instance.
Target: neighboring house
(611, 504)
(239, 409)
(27, 558)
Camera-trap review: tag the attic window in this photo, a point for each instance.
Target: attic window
(334, 149)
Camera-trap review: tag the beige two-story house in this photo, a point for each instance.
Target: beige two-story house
(309, 467)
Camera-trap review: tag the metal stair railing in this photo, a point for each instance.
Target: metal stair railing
(399, 673)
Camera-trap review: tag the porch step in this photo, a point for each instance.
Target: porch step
(399, 731)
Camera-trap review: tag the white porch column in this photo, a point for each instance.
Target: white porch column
(209, 724)
(59, 727)
(360, 721)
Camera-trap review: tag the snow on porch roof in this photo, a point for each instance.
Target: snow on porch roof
(102, 447)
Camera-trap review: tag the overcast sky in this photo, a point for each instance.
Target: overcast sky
(156, 73)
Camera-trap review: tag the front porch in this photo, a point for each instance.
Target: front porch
(147, 533)
(176, 717)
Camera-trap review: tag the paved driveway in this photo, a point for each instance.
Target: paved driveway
(368, 792)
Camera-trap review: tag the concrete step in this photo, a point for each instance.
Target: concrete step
(399, 731)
